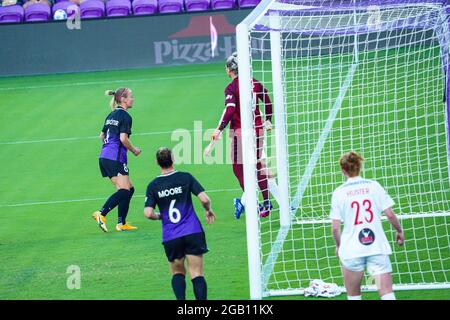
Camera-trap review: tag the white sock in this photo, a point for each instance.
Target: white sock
(354, 297)
(243, 199)
(273, 188)
(388, 296)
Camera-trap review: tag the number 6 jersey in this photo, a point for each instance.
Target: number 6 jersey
(172, 194)
(359, 203)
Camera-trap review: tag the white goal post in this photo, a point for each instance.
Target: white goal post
(370, 76)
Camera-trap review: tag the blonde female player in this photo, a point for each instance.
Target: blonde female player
(113, 158)
(358, 203)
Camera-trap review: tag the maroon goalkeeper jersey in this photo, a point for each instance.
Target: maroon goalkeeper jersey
(232, 112)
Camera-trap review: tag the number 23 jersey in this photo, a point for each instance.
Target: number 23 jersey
(359, 203)
(172, 194)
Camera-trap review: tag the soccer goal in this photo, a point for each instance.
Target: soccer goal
(369, 76)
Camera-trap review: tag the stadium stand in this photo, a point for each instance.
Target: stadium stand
(144, 7)
(37, 12)
(62, 5)
(90, 9)
(11, 14)
(170, 6)
(12, 11)
(223, 4)
(197, 5)
(118, 8)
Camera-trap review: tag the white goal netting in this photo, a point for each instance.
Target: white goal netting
(368, 76)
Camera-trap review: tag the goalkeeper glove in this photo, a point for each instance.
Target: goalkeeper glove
(267, 125)
(216, 135)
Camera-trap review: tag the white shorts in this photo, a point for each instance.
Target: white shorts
(377, 264)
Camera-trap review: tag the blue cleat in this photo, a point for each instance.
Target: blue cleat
(238, 208)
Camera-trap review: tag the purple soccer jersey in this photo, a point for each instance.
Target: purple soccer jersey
(172, 194)
(117, 122)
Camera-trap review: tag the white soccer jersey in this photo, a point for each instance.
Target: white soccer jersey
(358, 203)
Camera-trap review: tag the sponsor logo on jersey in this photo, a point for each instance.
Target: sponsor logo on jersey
(366, 236)
(170, 192)
(112, 122)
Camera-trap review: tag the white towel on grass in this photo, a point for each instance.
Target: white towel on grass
(319, 288)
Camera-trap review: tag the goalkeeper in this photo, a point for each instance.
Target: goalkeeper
(232, 114)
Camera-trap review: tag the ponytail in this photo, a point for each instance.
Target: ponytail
(351, 163)
(116, 96)
(112, 103)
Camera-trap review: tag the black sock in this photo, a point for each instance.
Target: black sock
(123, 208)
(200, 288)
(179, 286)
(114, 200)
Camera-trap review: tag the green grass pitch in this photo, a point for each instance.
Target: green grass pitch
(51, 184)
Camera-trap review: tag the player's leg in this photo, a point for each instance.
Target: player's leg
(384, 285)
(174, 250)
(353, 272)
(178, 278)
(195, 267)
(261, 171)
(114, 171)
(238, 170)
(352, 281)
(271, 182)
(123, 181)
(195, 247)
(379, 267)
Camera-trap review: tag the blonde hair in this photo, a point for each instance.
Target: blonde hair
(232, 63)
(117, 95)
(351, 163)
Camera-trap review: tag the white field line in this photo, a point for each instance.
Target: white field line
(90, 83)
(89, 199)
(90, 137)
(269, 264)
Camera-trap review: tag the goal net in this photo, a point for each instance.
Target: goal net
(369, 76)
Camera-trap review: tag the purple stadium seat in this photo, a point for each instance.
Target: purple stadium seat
(92, 9)
(37, 12)
(223, 4)
(248, 3)
(196, 5)
(63, 5)
(142, 7)
(170, 6)
(118, 8)
(11, 14)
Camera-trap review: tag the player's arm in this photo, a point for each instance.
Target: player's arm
(336, 228)
(206, 203)
(127, 143)
(199, 192)
(264, 97)
(335, 216)
(102, 135)
(150, 204)
(390, 215)
(227, 115)
(150, 213)
(125, 131)
(385, 201)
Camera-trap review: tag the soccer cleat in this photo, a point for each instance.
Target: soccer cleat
(125, 227)
(238, 208)
(101, 220)
(264, 211)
